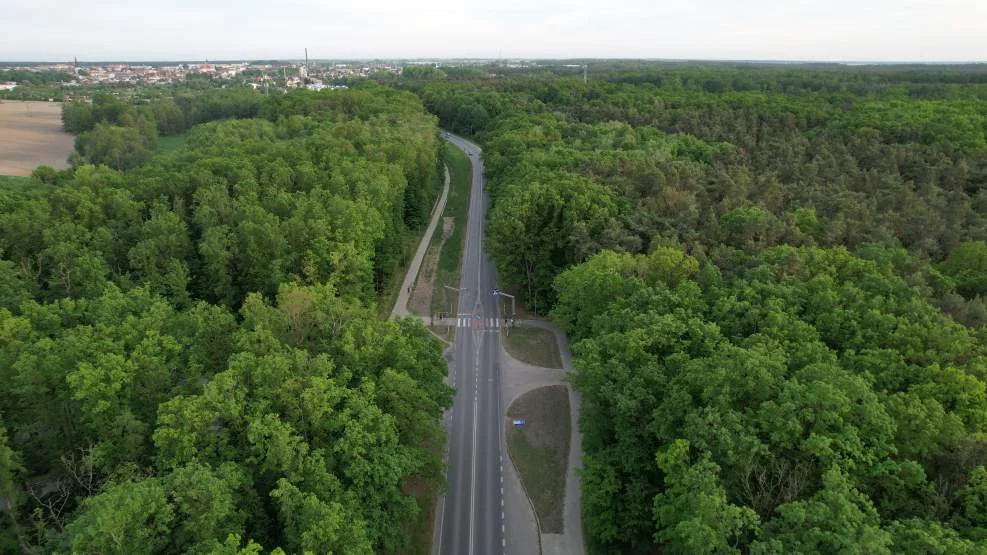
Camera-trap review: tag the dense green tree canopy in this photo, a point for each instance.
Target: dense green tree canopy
(773, 280)
(190, 356)
(815, 398)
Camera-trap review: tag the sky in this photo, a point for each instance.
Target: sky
(833, 30)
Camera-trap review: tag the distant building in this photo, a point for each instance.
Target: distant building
(8, 86)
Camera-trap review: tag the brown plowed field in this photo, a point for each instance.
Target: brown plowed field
(31, 135)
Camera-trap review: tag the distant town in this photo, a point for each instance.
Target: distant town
(315, 75)
(292, 75)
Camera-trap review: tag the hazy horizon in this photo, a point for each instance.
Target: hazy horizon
(877, 31)
(489, 60)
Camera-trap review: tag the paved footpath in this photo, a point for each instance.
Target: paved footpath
(523, 537)
(519, 378)
(401, 306)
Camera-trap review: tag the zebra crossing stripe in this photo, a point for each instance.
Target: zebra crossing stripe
(488, 322)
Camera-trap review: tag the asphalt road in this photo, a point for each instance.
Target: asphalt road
(471, 514)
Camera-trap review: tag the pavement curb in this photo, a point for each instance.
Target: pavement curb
(573, 462)
(520, 481)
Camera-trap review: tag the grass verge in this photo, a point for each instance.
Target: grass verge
(535, 346)
(388, 294)
(447, 267)
(540, 450)
(420, 528)
(443, 264)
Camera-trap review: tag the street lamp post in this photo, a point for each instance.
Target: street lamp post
(445, 295)
(498, 292)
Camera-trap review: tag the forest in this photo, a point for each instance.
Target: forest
(773, 281)
(772, 278)
(191, 359)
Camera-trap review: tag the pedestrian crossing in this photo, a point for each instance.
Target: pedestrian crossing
(479, 323)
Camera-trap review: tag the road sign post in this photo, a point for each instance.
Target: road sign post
(499, 293)
(446, 295)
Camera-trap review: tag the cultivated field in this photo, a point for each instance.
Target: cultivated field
(31, 135)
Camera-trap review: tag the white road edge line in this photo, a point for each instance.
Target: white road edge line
(442, 520)
(476, 405)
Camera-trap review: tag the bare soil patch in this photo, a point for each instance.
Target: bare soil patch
(421, 297)
(31, 135)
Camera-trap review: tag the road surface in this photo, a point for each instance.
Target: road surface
(471, 514)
